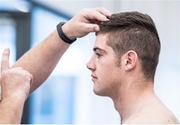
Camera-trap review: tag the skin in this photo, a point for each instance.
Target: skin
(15, 83)
(124, 82)
(103, 65)
(132, 94)
(47, 54)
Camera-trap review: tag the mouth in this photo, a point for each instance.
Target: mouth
(94, 78)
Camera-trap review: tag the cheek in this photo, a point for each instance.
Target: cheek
(102, 68)
(110, 73)
(107, 66)
(106, 72)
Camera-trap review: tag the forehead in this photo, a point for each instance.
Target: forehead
(101, 40)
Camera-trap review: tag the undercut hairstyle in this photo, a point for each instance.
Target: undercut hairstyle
(134, 31)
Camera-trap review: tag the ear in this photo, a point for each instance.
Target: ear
(130, 60)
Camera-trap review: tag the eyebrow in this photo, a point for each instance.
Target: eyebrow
(98, 49)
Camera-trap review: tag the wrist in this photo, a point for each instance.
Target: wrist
(11, 111)
(16, 99)
(68, 31)
(64, 33)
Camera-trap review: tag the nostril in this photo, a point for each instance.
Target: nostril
(90, 65)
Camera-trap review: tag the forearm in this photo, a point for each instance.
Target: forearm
(41, 60)
(10, 111)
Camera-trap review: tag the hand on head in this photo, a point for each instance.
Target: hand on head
(85, 22)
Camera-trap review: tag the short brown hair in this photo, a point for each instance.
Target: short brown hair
(134, 31)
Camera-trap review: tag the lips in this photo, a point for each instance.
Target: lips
(94, 77)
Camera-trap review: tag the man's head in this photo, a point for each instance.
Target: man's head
(133, 35)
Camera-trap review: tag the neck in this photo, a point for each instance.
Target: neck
(131, 97)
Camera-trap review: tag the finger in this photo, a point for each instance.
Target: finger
(104, 11)
(95, 15)
(91, 27)
(5, 60)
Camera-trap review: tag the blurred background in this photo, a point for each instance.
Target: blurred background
(67, 96)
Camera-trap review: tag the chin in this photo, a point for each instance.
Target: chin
(100, 92)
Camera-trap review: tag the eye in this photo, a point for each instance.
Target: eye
(98, 55)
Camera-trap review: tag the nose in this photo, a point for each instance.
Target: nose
(90, 65)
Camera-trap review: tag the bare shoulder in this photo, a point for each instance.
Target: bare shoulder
(148, 119)
(157, 115)
(152, 119)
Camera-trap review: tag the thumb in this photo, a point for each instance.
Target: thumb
(92, 28)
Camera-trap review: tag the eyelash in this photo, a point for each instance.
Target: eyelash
(98, 55)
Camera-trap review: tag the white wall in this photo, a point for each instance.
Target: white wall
(94, 109)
